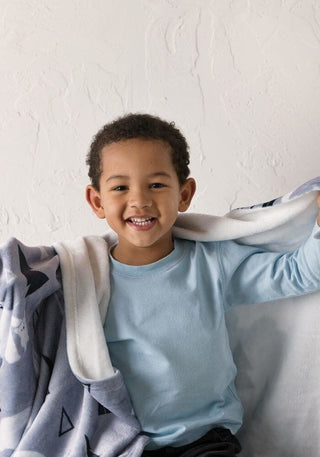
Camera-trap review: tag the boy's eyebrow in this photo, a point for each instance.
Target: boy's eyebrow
(159, 173)
(117, 177)
(152, 175)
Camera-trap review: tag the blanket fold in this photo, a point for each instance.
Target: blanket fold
(49, 406)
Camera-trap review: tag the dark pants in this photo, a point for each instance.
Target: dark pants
(219, 442)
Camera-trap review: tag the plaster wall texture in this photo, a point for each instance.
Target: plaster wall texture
(240, 78)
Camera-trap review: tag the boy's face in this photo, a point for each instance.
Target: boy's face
(140, 197)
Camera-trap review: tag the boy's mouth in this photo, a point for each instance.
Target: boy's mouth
(141, 221)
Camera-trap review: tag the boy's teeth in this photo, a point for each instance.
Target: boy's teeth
(140, 221)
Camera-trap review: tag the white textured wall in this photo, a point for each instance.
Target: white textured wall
(240, 78)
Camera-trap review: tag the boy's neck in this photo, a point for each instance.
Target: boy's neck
(141, 256)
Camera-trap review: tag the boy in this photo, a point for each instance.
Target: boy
(165, 325)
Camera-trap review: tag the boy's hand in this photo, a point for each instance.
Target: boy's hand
(318, 200)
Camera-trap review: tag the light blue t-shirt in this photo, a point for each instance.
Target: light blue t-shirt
(166, 330)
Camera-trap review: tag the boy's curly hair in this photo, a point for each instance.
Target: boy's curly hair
(143, 126)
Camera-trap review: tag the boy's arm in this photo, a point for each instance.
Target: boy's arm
(253, 275)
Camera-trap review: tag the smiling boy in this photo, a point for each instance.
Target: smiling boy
(165, 325)
(140, 196)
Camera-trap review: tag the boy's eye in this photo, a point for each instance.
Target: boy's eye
(157, 185)
(120, 188)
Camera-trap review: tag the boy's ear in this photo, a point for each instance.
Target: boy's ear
(94, 199)
(187, 191)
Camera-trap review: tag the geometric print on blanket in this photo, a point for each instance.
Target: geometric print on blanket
(35, 279)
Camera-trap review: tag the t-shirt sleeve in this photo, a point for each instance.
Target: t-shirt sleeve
(253, 275)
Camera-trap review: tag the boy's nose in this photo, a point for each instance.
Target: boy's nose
(140, 200)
